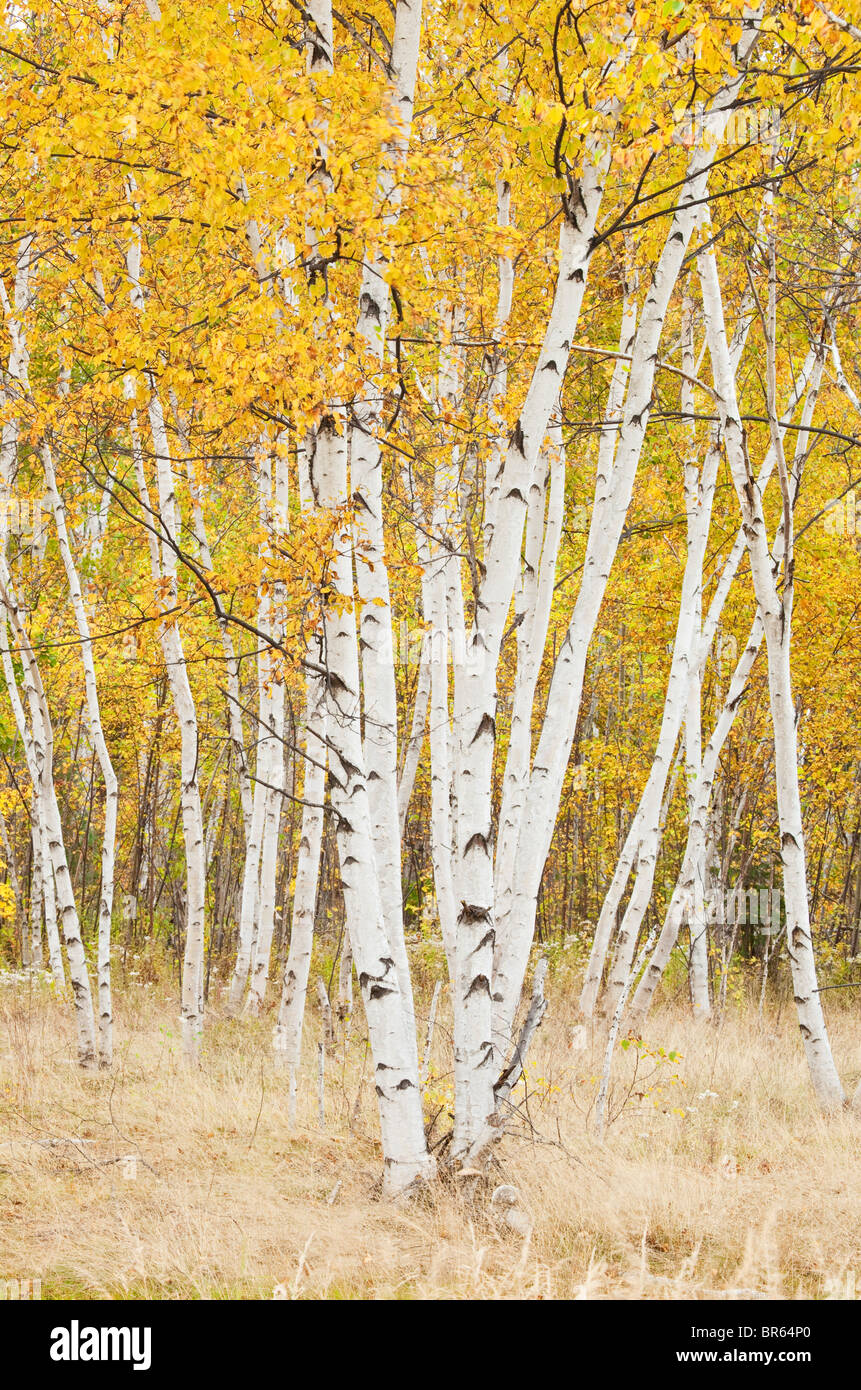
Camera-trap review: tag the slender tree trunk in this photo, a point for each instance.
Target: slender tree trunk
(164, 572)
(288, 1030)
(275, 762)
(776, 610)
(393, 1043)
(614, 485)
(106, 895)
(36, 898)
(46, 801)
(415, 742)
(15, 883)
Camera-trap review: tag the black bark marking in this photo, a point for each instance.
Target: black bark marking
(480, 983)
(379, 991)
(516, 439)
(477, 841)
(487, 726)
(378, 987)
(470, 912)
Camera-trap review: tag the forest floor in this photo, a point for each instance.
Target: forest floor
(716, 1176)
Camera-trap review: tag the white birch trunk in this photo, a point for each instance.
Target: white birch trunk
(291, 1013)
(183, 702)
(49, 897)
(46, 801)
(435, 586)
(532, 616)
(276, 771)
(682, 684)
(415, 742)
(109, 777)
(393, 1042)
(92, 698)
(612, 496)
(475, 685)
(372, 580)
(27, 961)
(693, 877)
(776, 610)
(697, 924)
(481, 1034)
(694, 874)
(695, 849)
(231, 664)
(36, 895)
(163, 563)
(251, 866)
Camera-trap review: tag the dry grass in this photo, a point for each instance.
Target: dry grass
(749, 1191)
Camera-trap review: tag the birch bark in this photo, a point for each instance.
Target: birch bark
(232, 691)
(42, 746)
(393, 1042)
(288, 1030)
(275, 778)
(109, 777)
(183, 701)
(366, 477)
(694, 877)
(612, 496)
(776, 610)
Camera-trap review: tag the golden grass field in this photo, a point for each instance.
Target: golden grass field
(156, 1182)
